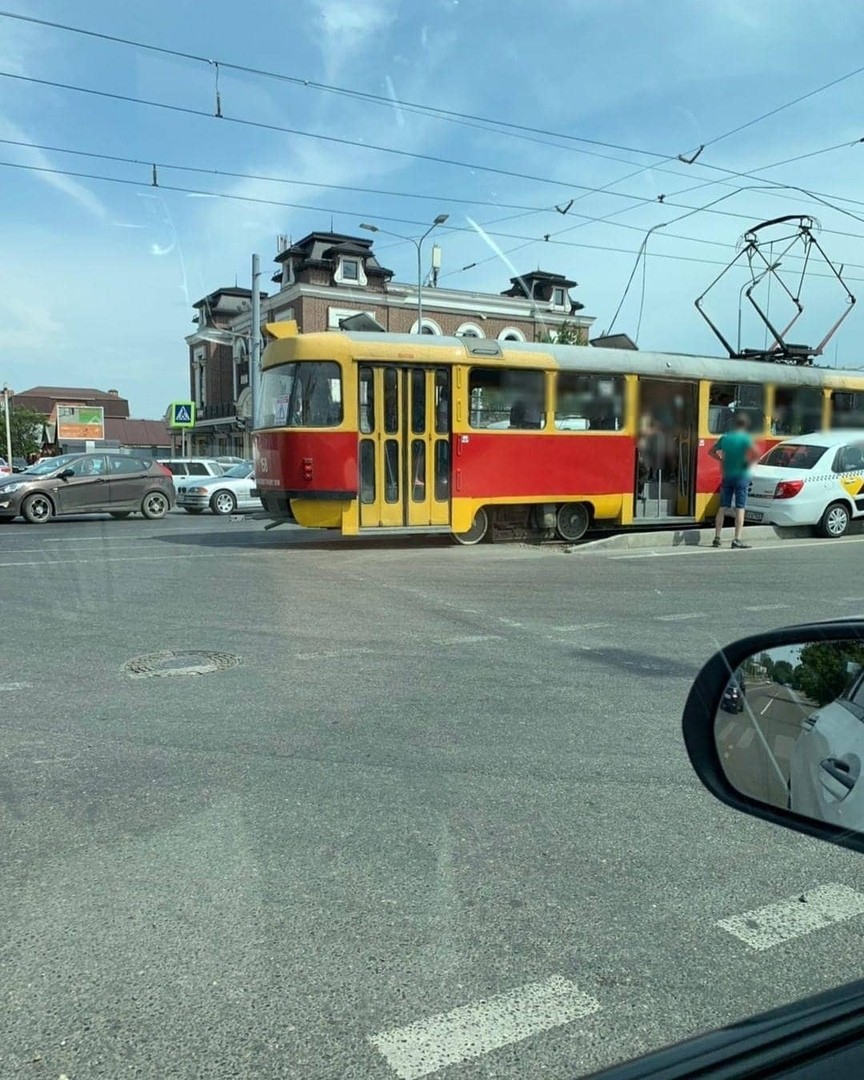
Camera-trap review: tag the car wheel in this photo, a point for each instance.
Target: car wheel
(194, 509)
(154, 505)
(223, 502)
(120, 514)
(835, 521)
(572, 521)
(479, 528)
(37, 509)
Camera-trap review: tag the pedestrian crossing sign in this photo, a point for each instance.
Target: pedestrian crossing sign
(181, 414)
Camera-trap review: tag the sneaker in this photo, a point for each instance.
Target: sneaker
(716, 542)
(739, 544)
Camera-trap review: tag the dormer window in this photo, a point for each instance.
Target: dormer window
(288, 272)
(350, 270)
(558, 297)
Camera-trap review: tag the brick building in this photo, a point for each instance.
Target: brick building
(328, 277)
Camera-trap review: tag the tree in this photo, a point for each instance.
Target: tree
(824, 671)
(566, 334)
(26, 425)
(782, 672)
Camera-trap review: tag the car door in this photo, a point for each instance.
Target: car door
(825, 772)
(849, 469)
(84, 486)
(127, 480)
(243, 492)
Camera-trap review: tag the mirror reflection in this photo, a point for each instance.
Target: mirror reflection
(790, 730)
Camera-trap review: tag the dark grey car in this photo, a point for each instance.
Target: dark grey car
(94, 483)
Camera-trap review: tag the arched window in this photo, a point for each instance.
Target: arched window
(469, 329)
(510, 333)
(429, 327)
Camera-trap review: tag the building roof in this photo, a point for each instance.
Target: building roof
(42, 399)
(322, 249)
(84, 393)
(535, 282)
(137, 432)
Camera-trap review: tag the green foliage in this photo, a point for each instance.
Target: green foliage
(566, 334)
(26, 428)
(823, 673)
(782, 672)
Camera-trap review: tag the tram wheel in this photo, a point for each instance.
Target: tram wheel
(479, 528)
(572, 521)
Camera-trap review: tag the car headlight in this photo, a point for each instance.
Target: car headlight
(196, 491)
(7, 489)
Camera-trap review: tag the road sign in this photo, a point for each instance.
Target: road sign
(181, 414)
(79, 422)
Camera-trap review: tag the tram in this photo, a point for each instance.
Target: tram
(373, 432)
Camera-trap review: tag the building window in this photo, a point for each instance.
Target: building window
(429, 327)
(350, 269)
(589, 402)
(470, 330)
(510, 333)
(558, 297)
(507, 398)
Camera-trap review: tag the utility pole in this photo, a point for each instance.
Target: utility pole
(8, 425)
(418, 244)
(255, 343)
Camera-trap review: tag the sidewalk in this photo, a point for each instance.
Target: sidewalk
(692, 536)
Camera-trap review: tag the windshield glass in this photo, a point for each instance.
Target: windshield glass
(370, 766)
(51, 464)
(300, 395)
(793, 456)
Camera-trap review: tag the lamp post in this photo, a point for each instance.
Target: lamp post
(6, 396)
(418, 244)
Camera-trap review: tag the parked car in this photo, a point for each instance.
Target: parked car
(95, 483)
(221, 494)
(19, 464)
(5, 467)
(184, 469)
(810, 480)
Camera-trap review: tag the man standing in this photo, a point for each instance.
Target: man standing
(735, 452)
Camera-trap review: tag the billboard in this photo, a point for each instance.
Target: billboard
(80, 422)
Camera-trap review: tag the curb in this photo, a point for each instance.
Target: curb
(692, 536)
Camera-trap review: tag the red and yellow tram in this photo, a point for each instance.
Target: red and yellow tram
(369, 432)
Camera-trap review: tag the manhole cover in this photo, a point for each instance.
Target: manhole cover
(179, 662)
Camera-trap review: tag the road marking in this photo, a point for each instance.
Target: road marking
(32, 551)
(580, 626)
(682, 617)
(747, 738)
(767, 707)
(789, 919)
(16, 686)
(466, 639)
(766, 607)
(470, 1031)
(359, 650)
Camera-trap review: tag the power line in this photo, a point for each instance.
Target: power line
(320, 209)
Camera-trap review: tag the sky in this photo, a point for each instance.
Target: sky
(98, 277)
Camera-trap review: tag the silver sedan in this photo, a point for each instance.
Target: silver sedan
(220, 494)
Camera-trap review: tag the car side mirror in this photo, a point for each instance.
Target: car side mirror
(774, 727)
(65, 474)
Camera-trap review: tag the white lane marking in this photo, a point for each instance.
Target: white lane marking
(747, 738)
(509, 622)
(16, 686)
(32, 551)
(470, 1031)
(580, 626)
(767, 707)
(329, 654)
(466, 639)
(766, 607)
(682, 617)
(119, 558)
(789, 919)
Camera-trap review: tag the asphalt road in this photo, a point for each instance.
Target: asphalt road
(437, 819)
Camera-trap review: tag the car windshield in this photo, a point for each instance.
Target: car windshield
(51, 464)
(793, 456)
(370, 765)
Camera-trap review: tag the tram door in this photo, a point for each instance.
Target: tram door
(666, 454)
(404, 451)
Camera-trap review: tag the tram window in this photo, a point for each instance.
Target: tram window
(725, 400)
(847, 409)
(442, 401)
(507, 398)
(391, 471)
(442, 470)
(367, 471)
(418, 401)
(589, 402)
(797, 410)
(305, 394)
(391, 401)
(418, 470)
(367, 400)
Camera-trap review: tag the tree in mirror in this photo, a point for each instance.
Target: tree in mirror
(789, 730)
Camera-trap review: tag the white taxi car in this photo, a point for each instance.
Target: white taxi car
(813, 479)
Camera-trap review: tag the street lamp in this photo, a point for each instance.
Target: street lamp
(439, 220)
(6, 397)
